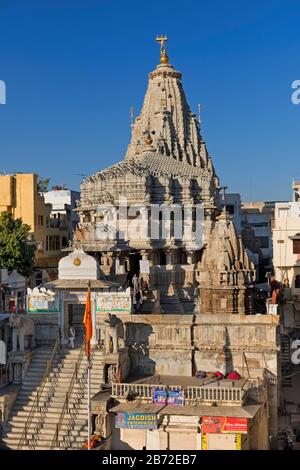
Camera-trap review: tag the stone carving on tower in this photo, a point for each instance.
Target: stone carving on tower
(225, 274)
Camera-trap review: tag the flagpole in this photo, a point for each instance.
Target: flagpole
(89, 404)
(88, 335)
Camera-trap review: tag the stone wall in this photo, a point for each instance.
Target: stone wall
(46, 327)
(248, 344)
(7, 399)
(166, 344)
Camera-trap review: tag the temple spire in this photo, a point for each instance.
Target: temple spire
(167, 118)
(164, 59)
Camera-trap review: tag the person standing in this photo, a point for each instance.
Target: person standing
(137, 292)
(72, 335)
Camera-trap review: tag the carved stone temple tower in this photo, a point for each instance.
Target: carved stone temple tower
(166, 166)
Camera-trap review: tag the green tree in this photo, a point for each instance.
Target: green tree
(42, 185)
(15, 252)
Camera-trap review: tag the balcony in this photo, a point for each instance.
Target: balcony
(222, 391)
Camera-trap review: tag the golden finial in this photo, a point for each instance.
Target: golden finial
(164, 59)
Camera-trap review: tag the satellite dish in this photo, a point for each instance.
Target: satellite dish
(35, 291)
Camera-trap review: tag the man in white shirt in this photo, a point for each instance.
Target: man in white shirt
(72, 335)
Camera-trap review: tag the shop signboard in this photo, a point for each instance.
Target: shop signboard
(222, 424)
(136, 421)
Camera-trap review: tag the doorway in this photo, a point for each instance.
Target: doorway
(74, 317)
(134, 263)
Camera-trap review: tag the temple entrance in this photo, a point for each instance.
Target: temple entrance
(74, 317)
(134, 263)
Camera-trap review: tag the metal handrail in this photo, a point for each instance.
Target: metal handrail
(65, 407)
(66, 440)
(24, 436)
(44, 408)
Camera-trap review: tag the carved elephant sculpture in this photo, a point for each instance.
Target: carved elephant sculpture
(22, 327)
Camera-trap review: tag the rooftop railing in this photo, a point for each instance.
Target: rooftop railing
(227, 392)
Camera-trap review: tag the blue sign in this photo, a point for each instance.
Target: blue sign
(136, 421)
(160, 396)
(168, 397)
(175, 397)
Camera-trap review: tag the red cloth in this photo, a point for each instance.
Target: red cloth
(219, 375)
(233, 375)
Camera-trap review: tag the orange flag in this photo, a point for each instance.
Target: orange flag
(87, 320)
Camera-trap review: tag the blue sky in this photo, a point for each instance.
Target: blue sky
(73, 68)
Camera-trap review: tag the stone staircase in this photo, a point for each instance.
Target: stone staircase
(170, 304)
(26, 397)
(73, 423)
(74, 429)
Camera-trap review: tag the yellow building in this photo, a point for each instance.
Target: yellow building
(19, 195)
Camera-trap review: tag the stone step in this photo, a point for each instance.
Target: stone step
(80, 423)
(55, 408)
(60, 390)
(22, 420)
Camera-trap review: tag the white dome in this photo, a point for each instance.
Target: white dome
(78, 265)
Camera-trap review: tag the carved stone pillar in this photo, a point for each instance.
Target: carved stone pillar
(169, 257)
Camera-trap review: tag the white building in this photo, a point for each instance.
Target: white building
(232, 203)
(260, 215)
(286, 241)
(63, 202)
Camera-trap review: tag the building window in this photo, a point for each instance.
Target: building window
(52, 243)
(283, 213)
(297, 281)
(296, 247)
(263, 242)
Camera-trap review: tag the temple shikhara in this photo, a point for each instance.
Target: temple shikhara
(176, 334)
(167, 166)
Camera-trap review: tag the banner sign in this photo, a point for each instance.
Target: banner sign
(136, 421)
(222, 424)
(113, 302)
(36, 304)
(168, 397)
(159, 396)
